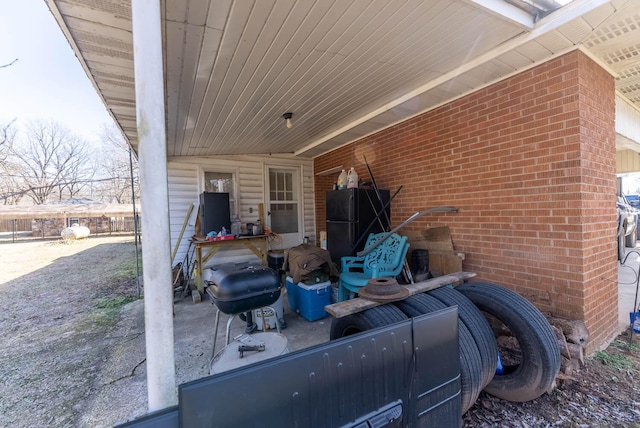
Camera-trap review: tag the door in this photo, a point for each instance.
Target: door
(341, 237)
(341, 205)
(284, 208)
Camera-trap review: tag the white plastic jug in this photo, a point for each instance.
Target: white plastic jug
(342, 180)
(236, 227)
(352, 179)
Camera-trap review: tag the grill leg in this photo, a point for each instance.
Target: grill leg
(251, 326)
(215, 334)
(231, 317)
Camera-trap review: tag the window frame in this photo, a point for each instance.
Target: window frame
(213, 169)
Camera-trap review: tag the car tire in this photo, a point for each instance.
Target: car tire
(471, 378)
(621, 247)
(379, 316)
(540, 354)
(477, 324)
(631, 239)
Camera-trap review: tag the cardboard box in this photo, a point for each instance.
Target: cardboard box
(443, 258)
(323, 239)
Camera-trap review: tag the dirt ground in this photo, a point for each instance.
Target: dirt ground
(60, 305)
(605, 392)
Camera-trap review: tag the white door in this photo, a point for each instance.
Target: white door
(284, 210)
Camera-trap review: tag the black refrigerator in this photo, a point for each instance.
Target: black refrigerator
(214, 212)
(350, 212)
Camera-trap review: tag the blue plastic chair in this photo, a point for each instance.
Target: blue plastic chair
(386, 260)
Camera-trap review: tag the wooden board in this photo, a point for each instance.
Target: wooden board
(348, 307)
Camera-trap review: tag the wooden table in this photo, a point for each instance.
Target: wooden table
(257, 244)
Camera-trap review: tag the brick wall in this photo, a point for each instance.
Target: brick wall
(530, 163)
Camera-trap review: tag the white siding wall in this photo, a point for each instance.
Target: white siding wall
(627, 137)
(309, 209)
(627, 119)
(185, 176)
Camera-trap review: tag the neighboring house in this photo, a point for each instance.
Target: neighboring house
(519, 113)
(50, 219)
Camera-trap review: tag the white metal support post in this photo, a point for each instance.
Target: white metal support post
(156, 258)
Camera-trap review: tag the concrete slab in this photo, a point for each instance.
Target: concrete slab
(627, 287)
(122, 393)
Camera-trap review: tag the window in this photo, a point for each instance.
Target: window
(283, 201)
(223, 182)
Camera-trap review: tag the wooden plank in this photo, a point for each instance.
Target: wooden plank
(348, 307)
(184, 226)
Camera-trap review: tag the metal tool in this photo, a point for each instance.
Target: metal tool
(405, 265)
(246, 348)
(375, 187)
(378, 214)
(404, 223)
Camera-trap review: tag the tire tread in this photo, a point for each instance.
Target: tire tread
(470, 361)
(540, 353)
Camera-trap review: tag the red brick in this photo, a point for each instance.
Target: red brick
(530, 162)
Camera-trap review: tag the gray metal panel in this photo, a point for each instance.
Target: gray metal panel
(438, 391)
(338, 383)
(165, 418)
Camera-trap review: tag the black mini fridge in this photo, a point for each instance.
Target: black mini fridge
(351, 217)
(214, 212)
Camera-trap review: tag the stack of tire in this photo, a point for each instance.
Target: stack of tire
(540, 356)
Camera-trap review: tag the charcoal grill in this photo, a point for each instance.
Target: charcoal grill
(236, 290)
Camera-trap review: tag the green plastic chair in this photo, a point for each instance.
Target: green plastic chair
(386, 260)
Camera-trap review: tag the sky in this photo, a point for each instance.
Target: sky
(47, 81)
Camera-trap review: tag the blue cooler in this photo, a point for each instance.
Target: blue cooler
(292, 295)
(634, 321)
(309, 300)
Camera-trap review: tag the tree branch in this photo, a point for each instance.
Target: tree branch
(10, 64)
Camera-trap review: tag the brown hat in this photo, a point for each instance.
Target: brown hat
(383, 290)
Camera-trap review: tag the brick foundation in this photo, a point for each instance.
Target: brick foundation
(530, 163)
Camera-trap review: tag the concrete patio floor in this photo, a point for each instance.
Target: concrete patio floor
(627, 286)
(124, 393)
(126, 398)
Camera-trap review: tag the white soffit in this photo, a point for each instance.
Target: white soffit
(345, 69)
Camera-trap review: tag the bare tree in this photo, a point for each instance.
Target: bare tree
(9, 192)
(77, 173)
(50, 160)
(7, 135)
(115, 166)
(9, 187)
(9, 64)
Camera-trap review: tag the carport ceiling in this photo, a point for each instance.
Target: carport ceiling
(345, 69)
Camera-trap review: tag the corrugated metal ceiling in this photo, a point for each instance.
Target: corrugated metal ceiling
(344, 69)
